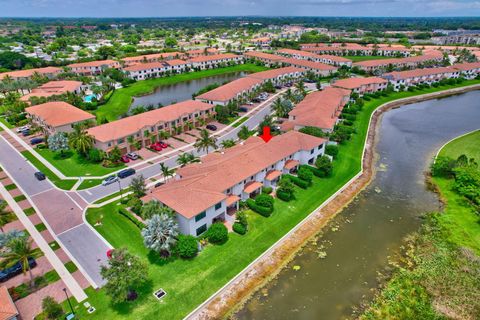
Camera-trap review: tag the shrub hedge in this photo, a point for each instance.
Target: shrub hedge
(124, 212)
(298, 182)
(284, 195)
(264, 211)
(239, 228)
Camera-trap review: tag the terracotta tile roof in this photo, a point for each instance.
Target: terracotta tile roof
(396, 75)
(176, 62)
(213, 57)
(232, 199)
(466, 66)
(290, 164)
(321, 108)
(144, 66)
(252, 186)
(395, 61)
(353, 83)
(130, 125)
(28, 73)
(97, 63)
(230, 90)
(270, 74)
(202, 185)
(201, 51)
(154, 56)
(334, 58)
(309, 64)
(8, 310)
(53, 88)
(273, 174)
(293, 52)
(263, 55)
(59, 113)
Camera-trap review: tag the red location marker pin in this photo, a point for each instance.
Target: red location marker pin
(266, 136)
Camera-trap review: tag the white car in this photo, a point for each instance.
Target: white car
(20, 129)
(109, 180)
(132, 156)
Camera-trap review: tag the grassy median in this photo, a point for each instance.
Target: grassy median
(190, 282)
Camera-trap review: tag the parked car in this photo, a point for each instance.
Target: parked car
(39, 175)
(156, 147)
(16, 269)
(109, 180)
(26, 132)
(163, 145)
(211, 127)
(21, 129)
(125, 159)
(35, 141)
(249, 103)
(132, 156)
(278, 87)
(126, 173)
(243, 109)
(158, 184)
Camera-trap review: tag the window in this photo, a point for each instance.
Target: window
(119, 141)
(311, 151)
(200, 216)
(218, 206)
(201, 230)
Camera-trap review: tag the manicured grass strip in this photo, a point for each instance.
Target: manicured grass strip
(242, 120)
(366, 58)
(89, 183)
(122, 98)
(19, 198)
(62, 184)
(74, 165)
(71, 267)
(11, 187)
(6, 123)
(40, 227)
(191, 282)
(113, 195)
(468, 145)
(54, 245)
(29, 211)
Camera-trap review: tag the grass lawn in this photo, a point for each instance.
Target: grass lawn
(122, 98)
(468, 145)
(29, 211)
(240, 122)
(62, 184)
(89, 183)
(189, 282)
(11, 187)
(74, 165)
(365, 58)
(6, 123)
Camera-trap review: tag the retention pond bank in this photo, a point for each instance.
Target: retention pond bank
(337, 270)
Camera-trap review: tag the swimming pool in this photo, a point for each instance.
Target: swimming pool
(89, 98)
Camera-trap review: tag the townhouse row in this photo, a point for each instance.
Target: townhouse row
(381, 65)
(326, 58)
(210, 191)
(354, 49)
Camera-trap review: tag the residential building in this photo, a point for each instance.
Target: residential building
(318, 68)
(93, 67)
(212, 61)
(8, 310)
(49, 72)
(267, 58)
(57, 116)
(154, 57)
(234, 90)
(142, 71)
(54, 88)
(201, 52)
(263, 42)
(280, 75)
(381, 65)
(468, 70)
(305, 55)
(362, 85)
(144, 126)
(410, 78)
(319, 109)
(210, 191)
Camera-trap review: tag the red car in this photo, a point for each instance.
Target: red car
(125, 159)
(163, 145)
(155, 147)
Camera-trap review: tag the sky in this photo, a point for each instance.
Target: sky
(173, 8)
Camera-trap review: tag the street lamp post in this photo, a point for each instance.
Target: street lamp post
(68, 299)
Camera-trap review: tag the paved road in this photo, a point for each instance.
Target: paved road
(61, 210)
(99, 192)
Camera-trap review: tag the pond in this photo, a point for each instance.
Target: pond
(360, 239)
(168, 94)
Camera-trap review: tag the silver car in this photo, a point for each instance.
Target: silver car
(109, 180)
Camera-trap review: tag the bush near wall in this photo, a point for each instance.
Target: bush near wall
(298, 182)
(124, 212)
(264, 211)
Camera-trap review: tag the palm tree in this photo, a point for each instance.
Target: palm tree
(228, 143)
(278, 108)
(205, 141)
(160, 233)
(300, 88)
(166, 171)
(20, 249)
(4, 214)
(187, 158)
(288, 94)
(80, 140)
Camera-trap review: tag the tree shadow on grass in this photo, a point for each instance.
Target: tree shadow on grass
(156, 259)
(144, 292)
